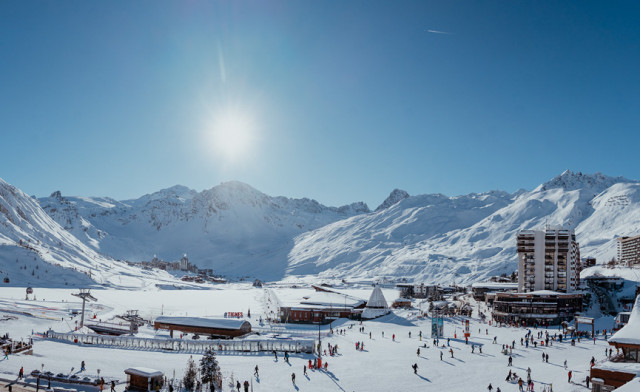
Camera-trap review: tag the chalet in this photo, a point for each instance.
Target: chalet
(625, 366)
(143, 379)
(219, 328)
(322, 306)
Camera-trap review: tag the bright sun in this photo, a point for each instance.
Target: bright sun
(233, 134)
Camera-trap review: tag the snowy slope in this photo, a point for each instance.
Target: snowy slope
(239, 231)
(232, 228)
(433, 238)
(36, 250)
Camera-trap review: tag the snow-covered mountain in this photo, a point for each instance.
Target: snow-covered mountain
(239, 231)
(232, 228)
(36, 250)
(434, 238)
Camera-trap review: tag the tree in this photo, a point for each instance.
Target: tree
(189, 379)
(210, 370)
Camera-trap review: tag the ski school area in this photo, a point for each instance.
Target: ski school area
(394, 352)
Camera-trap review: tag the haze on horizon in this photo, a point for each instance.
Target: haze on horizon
(339, 102)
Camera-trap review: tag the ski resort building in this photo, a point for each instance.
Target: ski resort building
(536, 308)
(548, 260)
(144, 379)
(376, 306)
(323, 307)
(625, 365)
(629, 251)
(219, 328)
(480, 289)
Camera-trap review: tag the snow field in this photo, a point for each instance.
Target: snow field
(383, 365)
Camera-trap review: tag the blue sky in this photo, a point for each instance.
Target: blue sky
(339, 101)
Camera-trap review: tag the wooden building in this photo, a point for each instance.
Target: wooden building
(218, 328)
(144, 379)
(625, 365)
(323, 307)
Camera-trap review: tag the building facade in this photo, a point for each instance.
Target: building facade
(629, 250)
(548, 260)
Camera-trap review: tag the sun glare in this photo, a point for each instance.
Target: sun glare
(233, 134)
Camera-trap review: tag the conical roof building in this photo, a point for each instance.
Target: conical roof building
(377, 305)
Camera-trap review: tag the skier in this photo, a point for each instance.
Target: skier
(490, 387)
(113, 386)
(304, 370)
(246, 386)
(510, 361)
(393, 337)
(293, 378)
(21, 373)
(275, 354)
(310, 365)
(441, 355)
(418, 351)
(255, 372)
(569, 374)
(587, 380)
(82, 369)
(473, 348)
(451, 351)
(565, 363)
(508, 376)
(238, 385)
(593, 361)
(415, 368)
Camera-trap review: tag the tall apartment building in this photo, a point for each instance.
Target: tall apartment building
(548, 260)
(629, 250)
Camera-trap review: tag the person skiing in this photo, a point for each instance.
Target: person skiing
(275, 354)
(393, 337)
(441, 355)
(418, 351)
(565, 363)
(21, 373)
(310, 365)
(510, 361)
(293, 378)
(593, 361)
(304, 370)
(238, 385)
(415, 368)
(451, 351)
(490, 387)
(246, 386)
(113, 386)
(546, 358)
(82, 368)
(508, 376)
(569, 375)
(255, 372)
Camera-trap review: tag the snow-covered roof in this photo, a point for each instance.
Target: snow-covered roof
(377, 300)
(631, 386)
(324, 298)
(630, 333)
(377, 305)
(202, 322)
(144, 372)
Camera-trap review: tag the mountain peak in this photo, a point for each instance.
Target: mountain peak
(570, 180)
(395, 196)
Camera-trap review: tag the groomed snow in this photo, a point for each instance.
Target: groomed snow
(383, 365)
